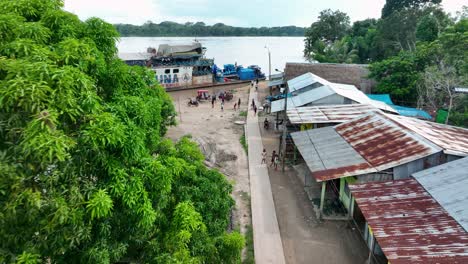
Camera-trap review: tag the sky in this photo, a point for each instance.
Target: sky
(244, 13)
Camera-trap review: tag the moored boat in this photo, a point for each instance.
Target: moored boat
(185, 66)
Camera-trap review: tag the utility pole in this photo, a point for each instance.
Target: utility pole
(285, 129)
(269, 63)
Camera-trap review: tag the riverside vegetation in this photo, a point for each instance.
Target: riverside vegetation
(416, 51)
(86, 173)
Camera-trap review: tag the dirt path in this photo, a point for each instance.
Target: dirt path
(306, 240)
(219, 140)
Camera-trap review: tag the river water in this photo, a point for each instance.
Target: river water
(228, 50)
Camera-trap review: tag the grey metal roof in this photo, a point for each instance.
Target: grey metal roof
(134, 56)
(302, 99)
(448, 185)
(275, 82)
(461, 90)
(309, 96)
(328, 113)
(277, 76)
(304, 80)
(325, 150)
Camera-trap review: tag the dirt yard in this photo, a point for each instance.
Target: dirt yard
(219, 139)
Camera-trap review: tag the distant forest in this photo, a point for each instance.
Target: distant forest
(166, 29)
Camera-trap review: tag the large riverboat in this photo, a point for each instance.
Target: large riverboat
(185, 66)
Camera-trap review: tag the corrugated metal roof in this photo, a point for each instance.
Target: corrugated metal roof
(302, 99)
(328, 113)
(383, 143)
(134, 56)
(409, 225)
(345, 90)
(328, 155)
(305, 80)
(461, 90)
(448, 184)
(374, 138)
(454, 140)
(275, 82)
(351, 92)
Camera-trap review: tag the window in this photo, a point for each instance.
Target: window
(308, 88)
(175, 71)
(167, 71)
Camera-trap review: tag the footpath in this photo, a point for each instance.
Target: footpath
(267, 239)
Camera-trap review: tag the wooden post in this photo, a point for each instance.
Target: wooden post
(351, 208)
(371, 249)
(322, 196)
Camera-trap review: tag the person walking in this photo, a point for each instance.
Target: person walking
(264, 156)
(238, 103)
(253, 103)
(255, 110)
(235, 105)
(222, 106)
(213, 99)
(273, 155)
(256, 87)
(276, 162)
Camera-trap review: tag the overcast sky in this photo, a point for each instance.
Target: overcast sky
(247, 13)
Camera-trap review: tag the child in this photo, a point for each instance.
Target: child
(264, 155)
(276, 162)
(222, 106)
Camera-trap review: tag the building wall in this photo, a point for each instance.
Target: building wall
(405, 170)
(204, 79)
(330, 100)
(174, 76)
(355, 74)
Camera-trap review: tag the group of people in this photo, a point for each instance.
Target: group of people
(274, 158)
(213, 101)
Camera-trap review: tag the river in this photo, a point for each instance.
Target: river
(228, 50)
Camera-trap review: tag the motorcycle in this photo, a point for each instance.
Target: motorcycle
(192, 102)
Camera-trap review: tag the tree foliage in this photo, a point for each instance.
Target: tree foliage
(200, 29)
(86, 175)
(330, 27)
(392, 6)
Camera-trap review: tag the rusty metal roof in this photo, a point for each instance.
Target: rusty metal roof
(448, 184)
(369, 143)
(409, 225)
(328, 155)
(328, 113)
(383, 143)
(454, 140)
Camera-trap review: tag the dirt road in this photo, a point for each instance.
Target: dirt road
(306, 240)
(218, 137)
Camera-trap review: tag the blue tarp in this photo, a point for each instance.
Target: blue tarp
(402, 110)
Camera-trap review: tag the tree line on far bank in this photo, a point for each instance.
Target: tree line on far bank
(200, 29)
(416, 51)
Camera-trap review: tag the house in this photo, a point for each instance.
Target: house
(375, 147)
(353, 74)
(311, 90)
(326, 115)
(402, 222)
(448, 185)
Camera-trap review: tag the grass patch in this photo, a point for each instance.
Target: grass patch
(249, 246)
(244, 144)
(243, 113)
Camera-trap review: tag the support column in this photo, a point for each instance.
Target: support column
(351, 208)
(322, 196)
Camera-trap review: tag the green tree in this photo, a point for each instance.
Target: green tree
(86, 175)
(330, 27)
(427, 29)
(392, 6)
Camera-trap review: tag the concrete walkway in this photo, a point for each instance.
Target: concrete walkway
(267, 239)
